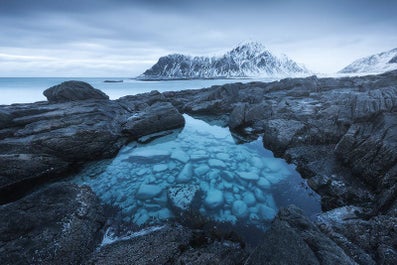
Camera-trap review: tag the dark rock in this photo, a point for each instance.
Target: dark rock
(72, 91)
(49, 140)
(393, 60)
(113, 81)
(215, 253)
(158, 117)
(279, 133)
(370, 148)
(367, 241)
(184, 198)
(5, 119)
(57, 225)
(160, 247)
(293, 239)
(44, 141)
(170, 245)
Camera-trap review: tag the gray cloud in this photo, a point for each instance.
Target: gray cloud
(122, 38)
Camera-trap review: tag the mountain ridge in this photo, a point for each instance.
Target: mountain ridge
(250, 59)
(374, 64)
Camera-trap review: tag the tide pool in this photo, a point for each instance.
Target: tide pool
(200, 166)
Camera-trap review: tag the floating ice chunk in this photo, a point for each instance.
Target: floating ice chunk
(239, 209)
(266, 212)
(148, 191)
(199, 155)
(273, 164)
(228, 196)
(141, 217)
(214, 199)
(201, 170)
(263, 183)
(254, 217)
(249, 198)
(248, 175)
(227, 185)
(260, 196)
(227, 216)
(222, 156)
(180, 155)
(142, 172)
(164, 214)
(160, 168)
(275, 177)
(204, 186)
(186, 174)
(227, 175)
(149, 153)
(256, 162)
(170, 179)
(216, 163)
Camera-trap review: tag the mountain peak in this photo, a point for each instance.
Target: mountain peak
(248, 59)
(377, 63)
(251, 45)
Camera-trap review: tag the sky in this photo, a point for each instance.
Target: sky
(121, 38)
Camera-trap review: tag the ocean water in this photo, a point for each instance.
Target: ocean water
(235, 183)
(26, 90)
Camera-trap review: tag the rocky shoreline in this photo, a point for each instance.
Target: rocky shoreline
(341, 134)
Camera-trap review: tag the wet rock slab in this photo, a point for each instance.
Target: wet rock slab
(47, 140)
(59, 224)
(170, 245)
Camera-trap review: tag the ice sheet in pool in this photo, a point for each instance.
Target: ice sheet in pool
(230, 182)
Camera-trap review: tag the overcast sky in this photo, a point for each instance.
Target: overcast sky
(123, 38)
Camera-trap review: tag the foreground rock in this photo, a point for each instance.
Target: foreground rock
(342, 135)
(42, 141)
(293, 239)
(57, 225)
(352, 120)
(170, 245)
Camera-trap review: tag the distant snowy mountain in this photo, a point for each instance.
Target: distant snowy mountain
(378, 63)
(247, 60)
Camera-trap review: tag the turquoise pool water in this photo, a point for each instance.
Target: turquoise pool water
(237, 183)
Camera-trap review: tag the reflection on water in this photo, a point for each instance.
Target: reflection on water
(203, 165)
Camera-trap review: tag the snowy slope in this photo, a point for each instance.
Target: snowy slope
(378, 63)
(247, 60)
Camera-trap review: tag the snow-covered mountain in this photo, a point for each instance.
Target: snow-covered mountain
(377, 63)
(246, 60)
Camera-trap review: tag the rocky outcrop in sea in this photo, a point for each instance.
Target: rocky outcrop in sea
(341, 134)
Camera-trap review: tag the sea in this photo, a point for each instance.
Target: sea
(30, 89)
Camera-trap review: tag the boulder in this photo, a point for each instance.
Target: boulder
(170, 245)
(59, 224)
(184, 198)
(73, 91)
(158, 117)
(293, 239)
(46, 141)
